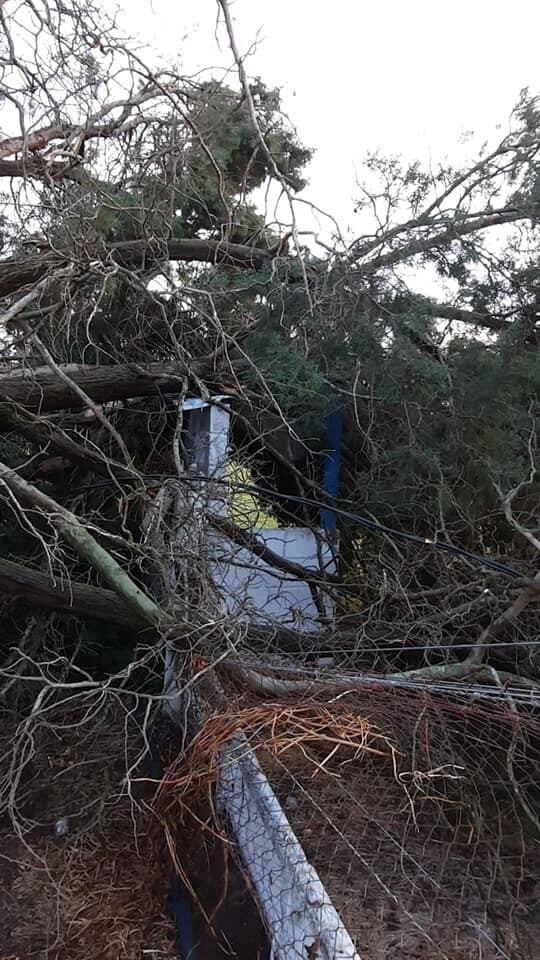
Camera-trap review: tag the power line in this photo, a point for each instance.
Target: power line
(374, 647)
(372, 525)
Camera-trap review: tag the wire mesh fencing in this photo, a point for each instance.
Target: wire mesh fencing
(379, 823)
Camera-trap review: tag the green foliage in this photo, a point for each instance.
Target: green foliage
(222, 161)
(297, 383)
(226, 160)
(445, 431)
(436, 421)
(448, 433)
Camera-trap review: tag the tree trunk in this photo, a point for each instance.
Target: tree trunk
(41, 390)
(78, 599)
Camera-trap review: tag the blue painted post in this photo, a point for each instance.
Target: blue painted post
(332, 464)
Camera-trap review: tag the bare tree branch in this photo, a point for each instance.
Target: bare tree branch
(455, 230)
(35, 168)
(17, 272)
(446, 311)
(251, 542)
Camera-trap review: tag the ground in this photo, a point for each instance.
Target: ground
(418, 814)
(102, 889)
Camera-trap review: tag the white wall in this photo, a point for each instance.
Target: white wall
(254, 591)
(247, 587)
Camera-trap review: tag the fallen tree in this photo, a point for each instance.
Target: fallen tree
(154, 271)
(36, 588)
(40, 389)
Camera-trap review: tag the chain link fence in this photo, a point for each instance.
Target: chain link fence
(379, 823)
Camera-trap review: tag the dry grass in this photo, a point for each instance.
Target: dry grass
(101, 896)
(100, 891)
(429, 858)
(412, 809)
(280, 726)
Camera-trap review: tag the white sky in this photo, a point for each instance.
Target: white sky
(406, 76)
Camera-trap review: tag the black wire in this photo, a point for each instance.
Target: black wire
(377, 527)
(373, 525)
(372, 647)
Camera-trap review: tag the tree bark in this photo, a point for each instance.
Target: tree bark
(84, 544)
(454, 231)
(78, 599)
(17, 273)
(138, 253)
(37, 169)
(445, 311)
(38, 589)
(40, 390)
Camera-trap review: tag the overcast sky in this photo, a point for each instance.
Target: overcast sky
(406, 76)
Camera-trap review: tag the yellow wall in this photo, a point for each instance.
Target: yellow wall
(244, 509)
